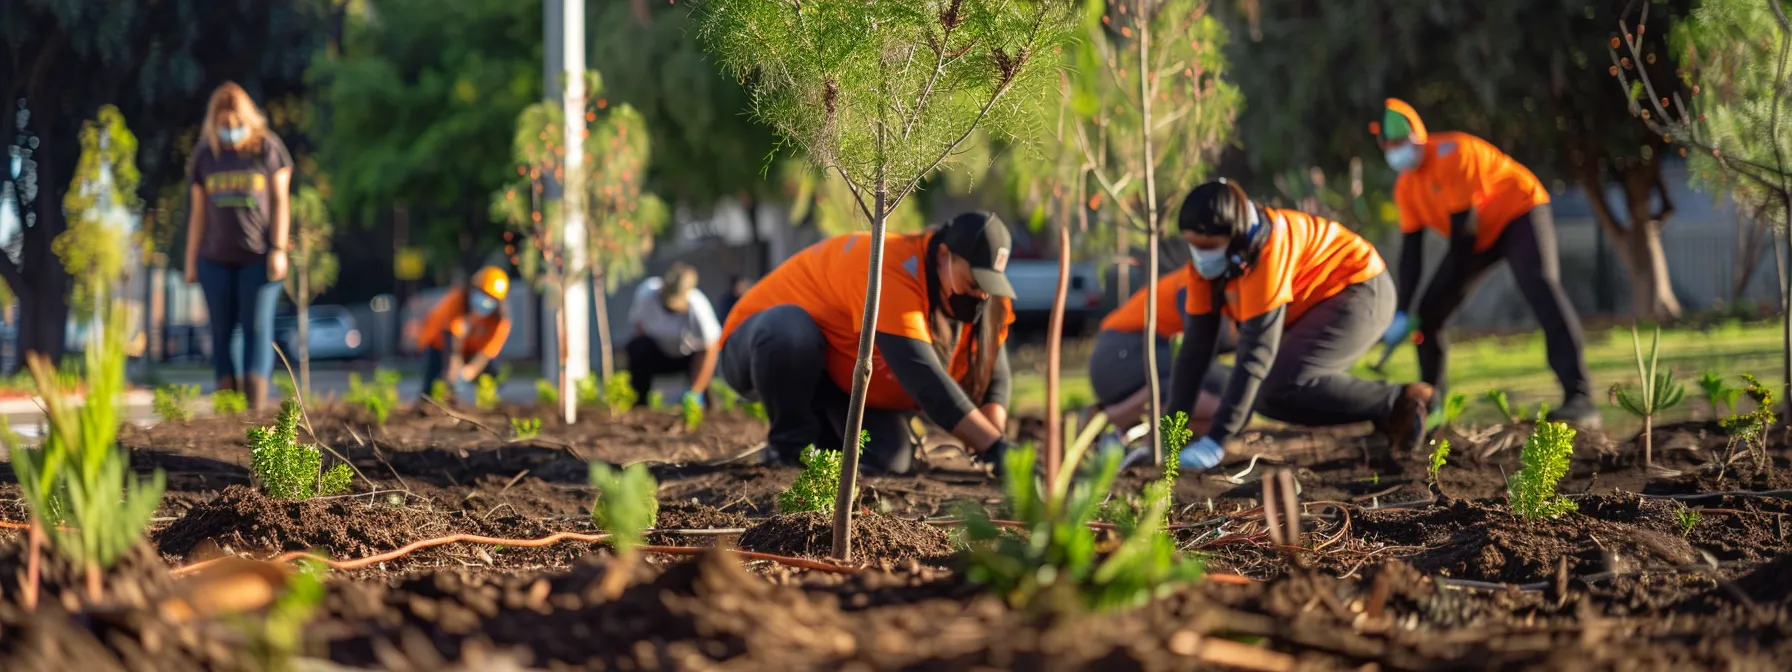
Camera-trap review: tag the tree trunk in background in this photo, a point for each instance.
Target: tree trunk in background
(1638, 240)
(303, 344)
(600, 301)
(1054, 348)
(1750, 236)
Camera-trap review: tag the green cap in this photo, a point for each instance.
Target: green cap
(1394, 125)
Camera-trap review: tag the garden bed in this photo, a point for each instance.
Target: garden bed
(1387, 574)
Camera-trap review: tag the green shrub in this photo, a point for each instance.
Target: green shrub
(1689, 518)
(171, 401)
(485, 394)
(525, 428)
(818, 486)
(756, 411)
(1453, 407)
(1532, 491)
(627, 503)
(286, 470)
(1749, 430)
(1718, 393)
(547, 393)
(439, 390)
(656, 402)
(231, 403)
(589, 393)
(619, 394)
(690, 409)
(378, 397)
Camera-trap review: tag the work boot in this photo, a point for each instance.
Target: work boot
(256, 389)
(1579, 412)
(1405, 426)
(227, 383)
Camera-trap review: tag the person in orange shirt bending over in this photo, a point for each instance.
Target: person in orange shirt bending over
(1117, 372)
(472, 318)
(791, 341)
(1491, 209)
(1310, 298)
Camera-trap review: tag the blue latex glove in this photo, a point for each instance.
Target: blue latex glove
(1202, 455)
(463, 391)
(691, 396)
(1397, 331)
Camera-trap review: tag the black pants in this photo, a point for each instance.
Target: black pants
(647, 361)
(435, 365)
(777, 357)
(1529, 245)
(1310, 381)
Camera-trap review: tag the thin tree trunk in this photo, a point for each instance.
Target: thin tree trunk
(861, 379)
(1638, 243)
(601, 306)
(1648, 440)
(1054, 347)
(1155, 403)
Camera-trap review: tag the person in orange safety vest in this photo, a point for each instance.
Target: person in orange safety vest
(465, 331)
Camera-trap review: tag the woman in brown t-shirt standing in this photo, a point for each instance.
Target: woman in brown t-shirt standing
(240, 175)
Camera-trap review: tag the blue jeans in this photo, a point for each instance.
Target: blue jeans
(240, 296)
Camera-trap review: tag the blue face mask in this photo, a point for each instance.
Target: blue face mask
(482, 304)
(1209, 264)
(1403, 158)
(233, 135)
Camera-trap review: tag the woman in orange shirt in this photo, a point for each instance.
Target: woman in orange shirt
(939, 347)
(1117, 371)
(1310, 298)
(465, 330)
(1491, 209)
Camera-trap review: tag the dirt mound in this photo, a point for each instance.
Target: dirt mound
(875, 538)
(1477, 541)
(137, 574)
(694, 516)
(1771, 583)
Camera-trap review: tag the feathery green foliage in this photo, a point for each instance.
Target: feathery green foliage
(73, 482)
(1532, 491)
(1124, 510)
(378, 397)
(590, 394)
(1055, 565)
(438, 390)
(1749, 430)
(171, 401)
(690, 409)
(485, 392)
(1718, 392)
(547, 393)
(1499, 401)
(525, 428)
(627, 503)
(656, 402)
(1452, 410)
(1174, 429)
(287, 470)
(619, 393)
(231, 403)
(756, 411)
(818, 486)
(1689, 518)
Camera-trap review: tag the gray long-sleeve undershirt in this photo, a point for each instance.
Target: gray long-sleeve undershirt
(1258, 340)
(918, 369)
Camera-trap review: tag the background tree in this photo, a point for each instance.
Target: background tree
(881, 92)
(99, 205)
(1156, 108)
(1528, 75)
(157, 62)
(314, 266)
(418, 108)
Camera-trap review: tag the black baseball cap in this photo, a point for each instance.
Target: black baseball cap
(982, 239)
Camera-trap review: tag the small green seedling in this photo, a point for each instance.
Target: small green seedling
(1499, 401)
(1749, 430)
(1718, 393)
(231, 403)
(378, 397)
(1453, 407)
(656, 402)
(756, 411)
(691, 411)
(547, 393)
(619, 394)
(287, 470)
(171, 401)
(818, 486)
(1440, 454)
(1532, 491)
(627, 505)
(525, 428)
(438, 390)
(1657, 392)
(485, 392)
(726, 398)
(1689, 518)
(588, 392)
(1124, 510)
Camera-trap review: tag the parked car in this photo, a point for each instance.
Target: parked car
(1036, 284)
(333, 333)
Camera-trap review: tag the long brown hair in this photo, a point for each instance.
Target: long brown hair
(230, 97)
(986, 344)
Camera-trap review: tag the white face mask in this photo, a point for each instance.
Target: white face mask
(1209, 264)
(1403, 158)
(233, 134)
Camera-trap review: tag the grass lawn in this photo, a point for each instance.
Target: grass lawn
(1517, 365)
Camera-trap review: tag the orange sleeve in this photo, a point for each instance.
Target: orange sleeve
(1200, 294)
(1410, 219)
(1269, 285)
(495, 344)
(440, 319)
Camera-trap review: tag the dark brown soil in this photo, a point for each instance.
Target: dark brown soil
(875, 538)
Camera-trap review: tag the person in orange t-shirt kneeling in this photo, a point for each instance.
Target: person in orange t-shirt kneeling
(1117, 371)
(464, 331)
(939, 346)
(1491, 209)
(1310, 298)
